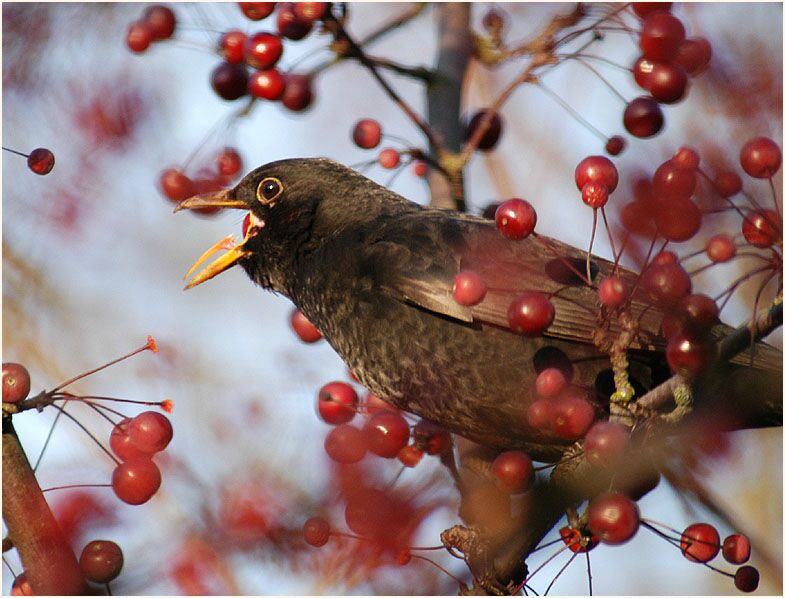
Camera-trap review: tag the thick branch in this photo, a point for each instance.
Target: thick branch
(444, 100)
(49, 562)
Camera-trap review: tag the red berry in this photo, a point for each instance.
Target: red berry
(720, 248)
(290, 25)
(690, 354)
(661, 36)
(678, 219)
(307, 332)
(310, 11)
(596, 169)
(139, 37)
(571, 417)
(550, 382)
(229, 81)
(297, 93)
(643, 117)
(613, 292)
(161, 20)
(267, 85)
(530, 313)
(175, 185)
(736, 549)
(760, 158)
(410, 455)
(699, 312)
(389, 158)
(644, 8)
(16, 382)
(514, 471)
(431, 438)
(229, 162)
(665, 257)
(727, 183)
(576, 541)
(605, 443)
(667, 284)
(686, 157)
(539, 415)
(594, 195)
(101, 561)
(41, 161)
(136, 480)
(615, 145)
(121, 445)
(638, 217)
(641, 71)
(613, 518)
(670, 181)
(468, 288)
(373, 404)
(746, 578)
(262, 50)
(386, 433)
(367, 133)
(490, 137)
(150, 431)
(667, 82)
(337, 403)
(420, 168)
(516, 218)
(231, 46)
(256, 11)
(316, 531)
(345, 444)
(694, 55)
(700, 542)
(762, 228)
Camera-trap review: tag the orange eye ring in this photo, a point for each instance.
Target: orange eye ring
(269, 190)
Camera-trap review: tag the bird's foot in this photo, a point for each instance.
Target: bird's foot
(682, 396)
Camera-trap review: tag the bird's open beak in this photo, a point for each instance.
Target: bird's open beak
(234, 251)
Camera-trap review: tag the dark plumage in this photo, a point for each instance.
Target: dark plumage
(374, 272)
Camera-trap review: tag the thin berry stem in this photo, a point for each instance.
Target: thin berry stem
(571, 111)
(774, 199)
(548, 560)
(616, 257)
(545, 242)
(145, 347)
(588, 573)
(46, 442)
(86, 431)
(608, 84)
(13, 151)
(71, 486)
(562, 570)
(437, 565)
(591, 245)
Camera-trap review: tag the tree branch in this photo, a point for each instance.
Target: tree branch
(49, 562)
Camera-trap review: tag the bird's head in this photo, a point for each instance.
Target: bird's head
(291, 203)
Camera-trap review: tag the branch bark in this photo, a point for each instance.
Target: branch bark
(48, 560)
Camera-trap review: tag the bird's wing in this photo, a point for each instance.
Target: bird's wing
(416, 258)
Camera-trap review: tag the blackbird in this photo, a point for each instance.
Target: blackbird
(374, 273)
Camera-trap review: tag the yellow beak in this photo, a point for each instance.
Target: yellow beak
(234, 252)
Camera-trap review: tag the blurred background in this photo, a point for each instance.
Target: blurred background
(94, 258)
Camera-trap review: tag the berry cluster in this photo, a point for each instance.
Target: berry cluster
(668, 59)
(225, 168)
(385, 433)
(250, 65)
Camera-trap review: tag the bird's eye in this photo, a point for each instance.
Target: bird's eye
(269, 190)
